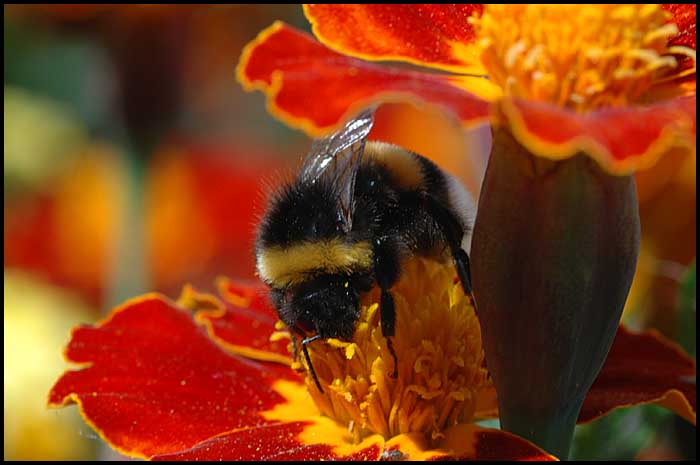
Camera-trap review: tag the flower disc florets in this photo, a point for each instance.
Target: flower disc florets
(578, 56)
(440, 360)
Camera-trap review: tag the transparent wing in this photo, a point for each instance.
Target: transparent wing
(336, 158)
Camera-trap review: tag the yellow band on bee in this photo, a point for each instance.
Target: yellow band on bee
(284, 266)
(402, 164)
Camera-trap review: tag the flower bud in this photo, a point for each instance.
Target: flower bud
(554, 251)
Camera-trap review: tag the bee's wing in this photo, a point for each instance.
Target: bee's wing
(337, 158)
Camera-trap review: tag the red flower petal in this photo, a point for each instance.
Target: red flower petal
(274, 442)
(492, 445)
(157, 384)
(246, 294)
(313, 88)
(640, 369)
(622, 140)
(438, 36)
(245, 325)
(684, 18)
(281, 442)
(465, 442)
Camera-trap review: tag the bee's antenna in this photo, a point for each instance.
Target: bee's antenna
(390, 346)
(304, 343)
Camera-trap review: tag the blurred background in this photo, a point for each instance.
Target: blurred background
(134, 162)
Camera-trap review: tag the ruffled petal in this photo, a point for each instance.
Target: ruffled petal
(279, 441)
(640, 369)
(643, 368)
(313, 88)
(293, 441)
(298, 432)
(622, 140)
(244, 325)
(438, 36)
(156, 384)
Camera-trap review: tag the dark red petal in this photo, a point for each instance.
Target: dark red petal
(438, 36)
(621, 139)
(464, 442)
(314, 88)
(490, 445)
(157, 384)
(245, 324)
(270, 442)
(253, 294)
(684, 16)
(643, 368)
(281, 442)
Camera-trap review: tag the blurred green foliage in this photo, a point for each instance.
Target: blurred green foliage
(620, 435)
(69, 69)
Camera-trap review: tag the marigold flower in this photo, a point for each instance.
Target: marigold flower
(440, 361)
(337, 81)
(211, 378)
(556, 236)
(363, 413)
(211, 384)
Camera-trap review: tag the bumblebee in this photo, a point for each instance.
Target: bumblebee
(356, 211)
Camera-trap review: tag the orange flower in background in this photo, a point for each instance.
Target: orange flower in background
(45, 233)
(668, 243)
(556, 236)
(200, 203)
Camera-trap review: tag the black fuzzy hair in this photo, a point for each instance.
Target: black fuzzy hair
(300, 212)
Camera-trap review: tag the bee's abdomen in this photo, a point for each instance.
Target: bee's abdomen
(449, 191)
(415, 174)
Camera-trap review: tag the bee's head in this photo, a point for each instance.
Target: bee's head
(327, 305)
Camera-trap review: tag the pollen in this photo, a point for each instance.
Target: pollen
(439, 352)
(581, 57)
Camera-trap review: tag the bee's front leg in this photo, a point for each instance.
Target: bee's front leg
(386, 270)
(453, 232)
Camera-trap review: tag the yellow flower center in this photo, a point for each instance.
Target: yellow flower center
(578, 56)
(440, 360)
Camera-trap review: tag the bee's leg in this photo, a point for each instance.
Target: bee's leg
(453, 232)
(295, 347)
(386, 269)
(295, 332)
(388, 315)
(304, 343)
(461, 260)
